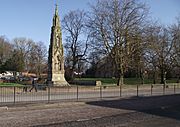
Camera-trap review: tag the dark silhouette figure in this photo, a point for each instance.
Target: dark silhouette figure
(33, 85)
(25, 88)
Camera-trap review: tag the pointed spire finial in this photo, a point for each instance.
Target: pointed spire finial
(56, 10)
(56, 18)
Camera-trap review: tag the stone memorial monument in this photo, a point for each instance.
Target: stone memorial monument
(56, 54)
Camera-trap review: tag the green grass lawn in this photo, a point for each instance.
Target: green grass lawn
(128, 81)
(105, 81)
(10, 84)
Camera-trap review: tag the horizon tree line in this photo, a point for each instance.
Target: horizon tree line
(22, 55)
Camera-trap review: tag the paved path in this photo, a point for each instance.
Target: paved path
(160, 111)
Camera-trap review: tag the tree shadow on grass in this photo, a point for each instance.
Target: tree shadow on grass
(165, 106)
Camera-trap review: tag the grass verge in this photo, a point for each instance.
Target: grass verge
(127, 81)
(10, 84)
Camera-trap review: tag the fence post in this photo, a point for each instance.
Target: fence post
(137, 90)
(164, 89)
(49, 94)
(14, 94)
(77, 93)
(120, 90)
(151, 89)
(174, 89)
(101, 92)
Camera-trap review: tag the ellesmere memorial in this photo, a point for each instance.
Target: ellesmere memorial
(56, 54)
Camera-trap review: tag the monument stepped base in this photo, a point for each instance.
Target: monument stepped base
(59, 80)
(60, 83)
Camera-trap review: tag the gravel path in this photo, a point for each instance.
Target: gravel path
(131, 112)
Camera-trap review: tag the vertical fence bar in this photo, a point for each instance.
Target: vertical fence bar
(77, 92)
(14, 94)
(174, 89)
(120, 90)
(151, 89)
(101, 92)
(137, 90)
(49, 94)
(1, 101)
(164, 89)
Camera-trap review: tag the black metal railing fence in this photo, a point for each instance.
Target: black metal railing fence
(21, 94)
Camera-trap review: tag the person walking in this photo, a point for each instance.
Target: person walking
(33, 85)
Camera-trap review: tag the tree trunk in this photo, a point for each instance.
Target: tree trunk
(120, 79)
(142, 76)
(71, 74)
(120, 72)
(142, 79)
(162, 76)
(154, 77)
(178, 79)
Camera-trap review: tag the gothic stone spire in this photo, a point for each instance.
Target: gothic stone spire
(56, 19)
(56, 53)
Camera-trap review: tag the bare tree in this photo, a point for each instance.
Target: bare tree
(38, 58)
(159, 51)
(34, 54)
(76, 38)
(113, 26)
(5, 51)
(175, 30)
(23, 45)
(151, 56)
(15, 62)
